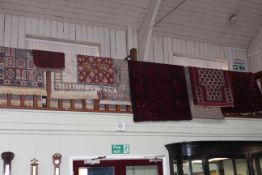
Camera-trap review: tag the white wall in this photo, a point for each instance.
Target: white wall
(39, 134)
(174, 51)
(115, 42)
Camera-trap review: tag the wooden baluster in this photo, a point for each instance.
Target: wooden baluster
(8, 99)
(84, 104)
(48, 89)
(60, 104)
(96, 104)
(22, 100)
(133, 54)
(117, 107)
(72, 103)
(107, 107)
(128, 108)
(35, 105)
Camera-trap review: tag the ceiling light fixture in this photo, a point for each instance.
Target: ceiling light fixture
(233, 19)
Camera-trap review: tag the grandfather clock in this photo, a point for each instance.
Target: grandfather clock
(57, 161)
(7, 158)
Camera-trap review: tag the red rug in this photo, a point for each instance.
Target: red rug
(49, 60)
(158, 92)
(95, 70)
(247, 96)
(211, 87)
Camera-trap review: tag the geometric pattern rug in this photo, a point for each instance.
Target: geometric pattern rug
(69, 84)
(18, 74)
(200, 111)
(122, 94)
(211, 87)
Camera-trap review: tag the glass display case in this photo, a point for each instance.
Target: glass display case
(215, 158)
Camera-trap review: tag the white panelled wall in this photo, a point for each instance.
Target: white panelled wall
(40, 134)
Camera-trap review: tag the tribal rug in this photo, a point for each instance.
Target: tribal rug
(247, 96)
(52, 61)
(18, 74)
(122, 94)
(199, 111)
(211, 87)
(81, 79)
(158, 92)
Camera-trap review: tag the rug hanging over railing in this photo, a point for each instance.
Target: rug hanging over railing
(200, 111)
(18, 74)
(247, 96)
(211, 87)
(83, 77)
(122, 94)
(158, 92)
(49, 61)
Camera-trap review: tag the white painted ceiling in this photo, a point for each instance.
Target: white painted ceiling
(203, 20)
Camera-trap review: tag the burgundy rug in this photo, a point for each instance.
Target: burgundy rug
(211, 87)
(158, 92)
(247, 96)
(49, 60)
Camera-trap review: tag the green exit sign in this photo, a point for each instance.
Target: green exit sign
(120, 149)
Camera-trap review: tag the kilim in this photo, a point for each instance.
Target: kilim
(18, 74)
(211, 87)
(122, 94)
(158, 92)
(199, 111)
(71, 84)
(247, 96)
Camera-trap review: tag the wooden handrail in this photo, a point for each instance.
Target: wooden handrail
(132, 55)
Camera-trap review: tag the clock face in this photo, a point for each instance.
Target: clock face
(57, 162)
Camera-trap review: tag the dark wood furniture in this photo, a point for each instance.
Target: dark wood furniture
(224, 157)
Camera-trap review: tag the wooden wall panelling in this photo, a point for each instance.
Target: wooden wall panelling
(124, 51)
(130, 42)
(14, 32)
(7, 34)
(135, 38)
(72, 34)
(78, 32)
(165, 50)
(21, 32)
(113, 43)
(60, 30)
(2, 27)
(66, 32)
(53, 29)
(107, 43)
(84, 33)
(118, 44)
(41, 25)
(34, 26)
(47, 28)
(90, 34)
(151, 51)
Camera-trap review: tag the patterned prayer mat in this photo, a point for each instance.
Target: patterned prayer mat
(198, 111)
(122, 94)
(211, 87)
(158, 92)
(247, 96)
(18, 74)
(71, 84)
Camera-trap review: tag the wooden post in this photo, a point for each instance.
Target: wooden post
(133, 54)
(117, 107)
(128, 108)
(35, 101)
(22, 100)
(84, 104)
(60, 104)
(72, 103)
(96, 104)
(48, 89)
(8, 98)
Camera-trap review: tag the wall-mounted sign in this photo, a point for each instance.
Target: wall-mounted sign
(239, 65)
(120, 149)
